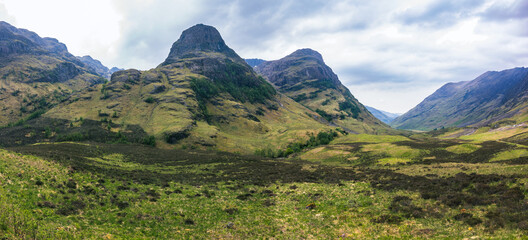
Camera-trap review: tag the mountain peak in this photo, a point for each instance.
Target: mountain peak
(196, 40)
(306, 52)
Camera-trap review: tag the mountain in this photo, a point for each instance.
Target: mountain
(36, 73)
(491, 97)
(254, 62)
(305, 78)
(96, 66)
(202, 95)
(385, 117)
(115, 69)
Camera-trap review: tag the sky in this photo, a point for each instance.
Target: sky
(390, 54)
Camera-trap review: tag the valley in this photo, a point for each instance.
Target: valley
(208, 145)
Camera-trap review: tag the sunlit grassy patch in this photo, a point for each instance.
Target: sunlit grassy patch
(392, 150)
(392, 161)
(463, 148)
(493, 134)
(367, 138)
(512, 154)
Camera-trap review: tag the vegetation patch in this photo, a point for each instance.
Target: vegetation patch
(508, 155)
(463, 148)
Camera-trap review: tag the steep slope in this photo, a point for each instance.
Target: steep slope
(305, 78)
(36, 73)
(96, 66)
(254, 62)
(384, 116)
(203, 94)
(489, 98)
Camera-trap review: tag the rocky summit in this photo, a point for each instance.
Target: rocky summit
(197, 41)
(304, 76)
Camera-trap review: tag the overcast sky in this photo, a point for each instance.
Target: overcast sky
(390, 54)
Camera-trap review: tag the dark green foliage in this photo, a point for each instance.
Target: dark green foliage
(324, 114)
(322, 138)
(349, 107)
(237, 81)
(150, 140)
(150, 100)
(74, 137)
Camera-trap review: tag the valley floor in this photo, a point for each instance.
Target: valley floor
(367, 187)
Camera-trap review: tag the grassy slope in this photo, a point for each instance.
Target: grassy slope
(125, 191)
(21, 95)
(175, 109)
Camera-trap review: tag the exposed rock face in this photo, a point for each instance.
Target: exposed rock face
(312, 67)
(36, 69)
(490, 97)
(197, 41)
(304, 76)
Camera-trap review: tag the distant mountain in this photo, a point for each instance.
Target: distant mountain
(254, 61)
(385, 117)
(305, 78)
(491, 97)
(96, 66)
(202, 95)
(115, 69)
(37, 73)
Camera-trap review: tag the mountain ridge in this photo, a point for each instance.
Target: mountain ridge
(492, 96)
(304, 76)
(37, 73)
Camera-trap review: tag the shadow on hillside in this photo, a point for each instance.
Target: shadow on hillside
(203, 168)
(52, 130)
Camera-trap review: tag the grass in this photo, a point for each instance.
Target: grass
(463, 148)
(512, 154)
(70, 190)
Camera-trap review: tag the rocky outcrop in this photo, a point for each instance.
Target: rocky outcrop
(198, 41)
(304, 76)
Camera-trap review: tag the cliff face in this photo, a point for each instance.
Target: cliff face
(490, 97)
(304, 76)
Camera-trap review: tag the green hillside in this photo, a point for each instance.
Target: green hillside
(304, 77)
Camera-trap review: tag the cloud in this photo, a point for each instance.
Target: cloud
(5, 16)
(439, 13)
(504, 10)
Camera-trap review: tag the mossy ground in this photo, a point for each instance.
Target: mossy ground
(371, 187)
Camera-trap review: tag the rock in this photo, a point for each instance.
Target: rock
(230, 225)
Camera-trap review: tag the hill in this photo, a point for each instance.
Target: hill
(96, 66)
(305, 78)
(491, 97)
(384, 116)
(202, 95)
(36, 73)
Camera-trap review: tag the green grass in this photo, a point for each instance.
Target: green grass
(97, 191)
(463, 148)
(512, 154)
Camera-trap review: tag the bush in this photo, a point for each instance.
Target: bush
(149, 140)
(150, 100)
